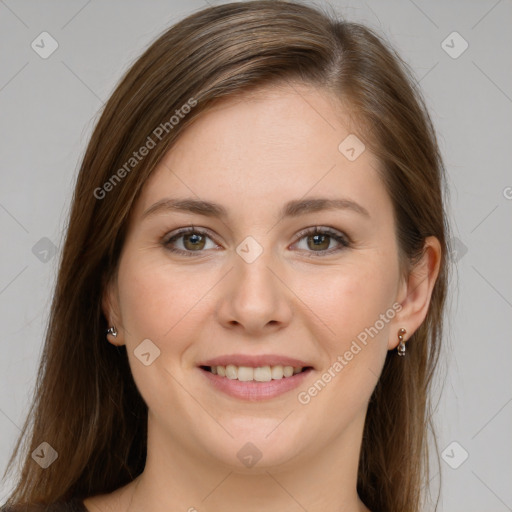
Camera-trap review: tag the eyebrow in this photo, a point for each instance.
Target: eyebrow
(291, 209)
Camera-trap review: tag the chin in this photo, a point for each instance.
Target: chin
(258, 446)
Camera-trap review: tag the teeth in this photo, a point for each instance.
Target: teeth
(231, 371)
(262, 374)
(288, 371)
(259, 374)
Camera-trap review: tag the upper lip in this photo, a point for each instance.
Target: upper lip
(254, 361)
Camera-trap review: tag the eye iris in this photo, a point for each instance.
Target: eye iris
(317, 238)
(194, 238)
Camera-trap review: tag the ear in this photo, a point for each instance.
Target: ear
(415, 292)
(110, 308)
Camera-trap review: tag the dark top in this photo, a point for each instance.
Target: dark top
(73, 505)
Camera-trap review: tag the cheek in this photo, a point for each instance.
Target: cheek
(354, 344)
(349, 299)
(158, 301)
(348, 303)
(160, 304)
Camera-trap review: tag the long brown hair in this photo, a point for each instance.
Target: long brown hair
(86, 405)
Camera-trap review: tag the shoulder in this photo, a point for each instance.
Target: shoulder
(73, 505)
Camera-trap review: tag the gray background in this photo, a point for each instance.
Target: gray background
(48, 110)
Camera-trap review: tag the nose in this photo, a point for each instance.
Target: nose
(254, 297)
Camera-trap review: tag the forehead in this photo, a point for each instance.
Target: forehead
(264, 148)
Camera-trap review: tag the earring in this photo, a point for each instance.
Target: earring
(112, 330)
(401, 345)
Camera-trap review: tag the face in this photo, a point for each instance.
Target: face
(256, 286)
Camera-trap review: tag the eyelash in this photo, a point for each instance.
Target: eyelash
(344, 241)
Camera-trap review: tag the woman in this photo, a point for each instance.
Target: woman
(249, 305)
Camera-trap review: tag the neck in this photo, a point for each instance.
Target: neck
(181, 476)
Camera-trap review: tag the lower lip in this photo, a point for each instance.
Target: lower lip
(253, 390)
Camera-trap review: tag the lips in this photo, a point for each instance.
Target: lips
(257, 377)
(254, 390)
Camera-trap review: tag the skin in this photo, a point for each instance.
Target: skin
(252, 154)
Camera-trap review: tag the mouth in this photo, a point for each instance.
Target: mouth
(254, 383)
(265, 373)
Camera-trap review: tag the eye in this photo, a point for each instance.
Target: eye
(194, 240)
(321, 238)
(318, 239)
